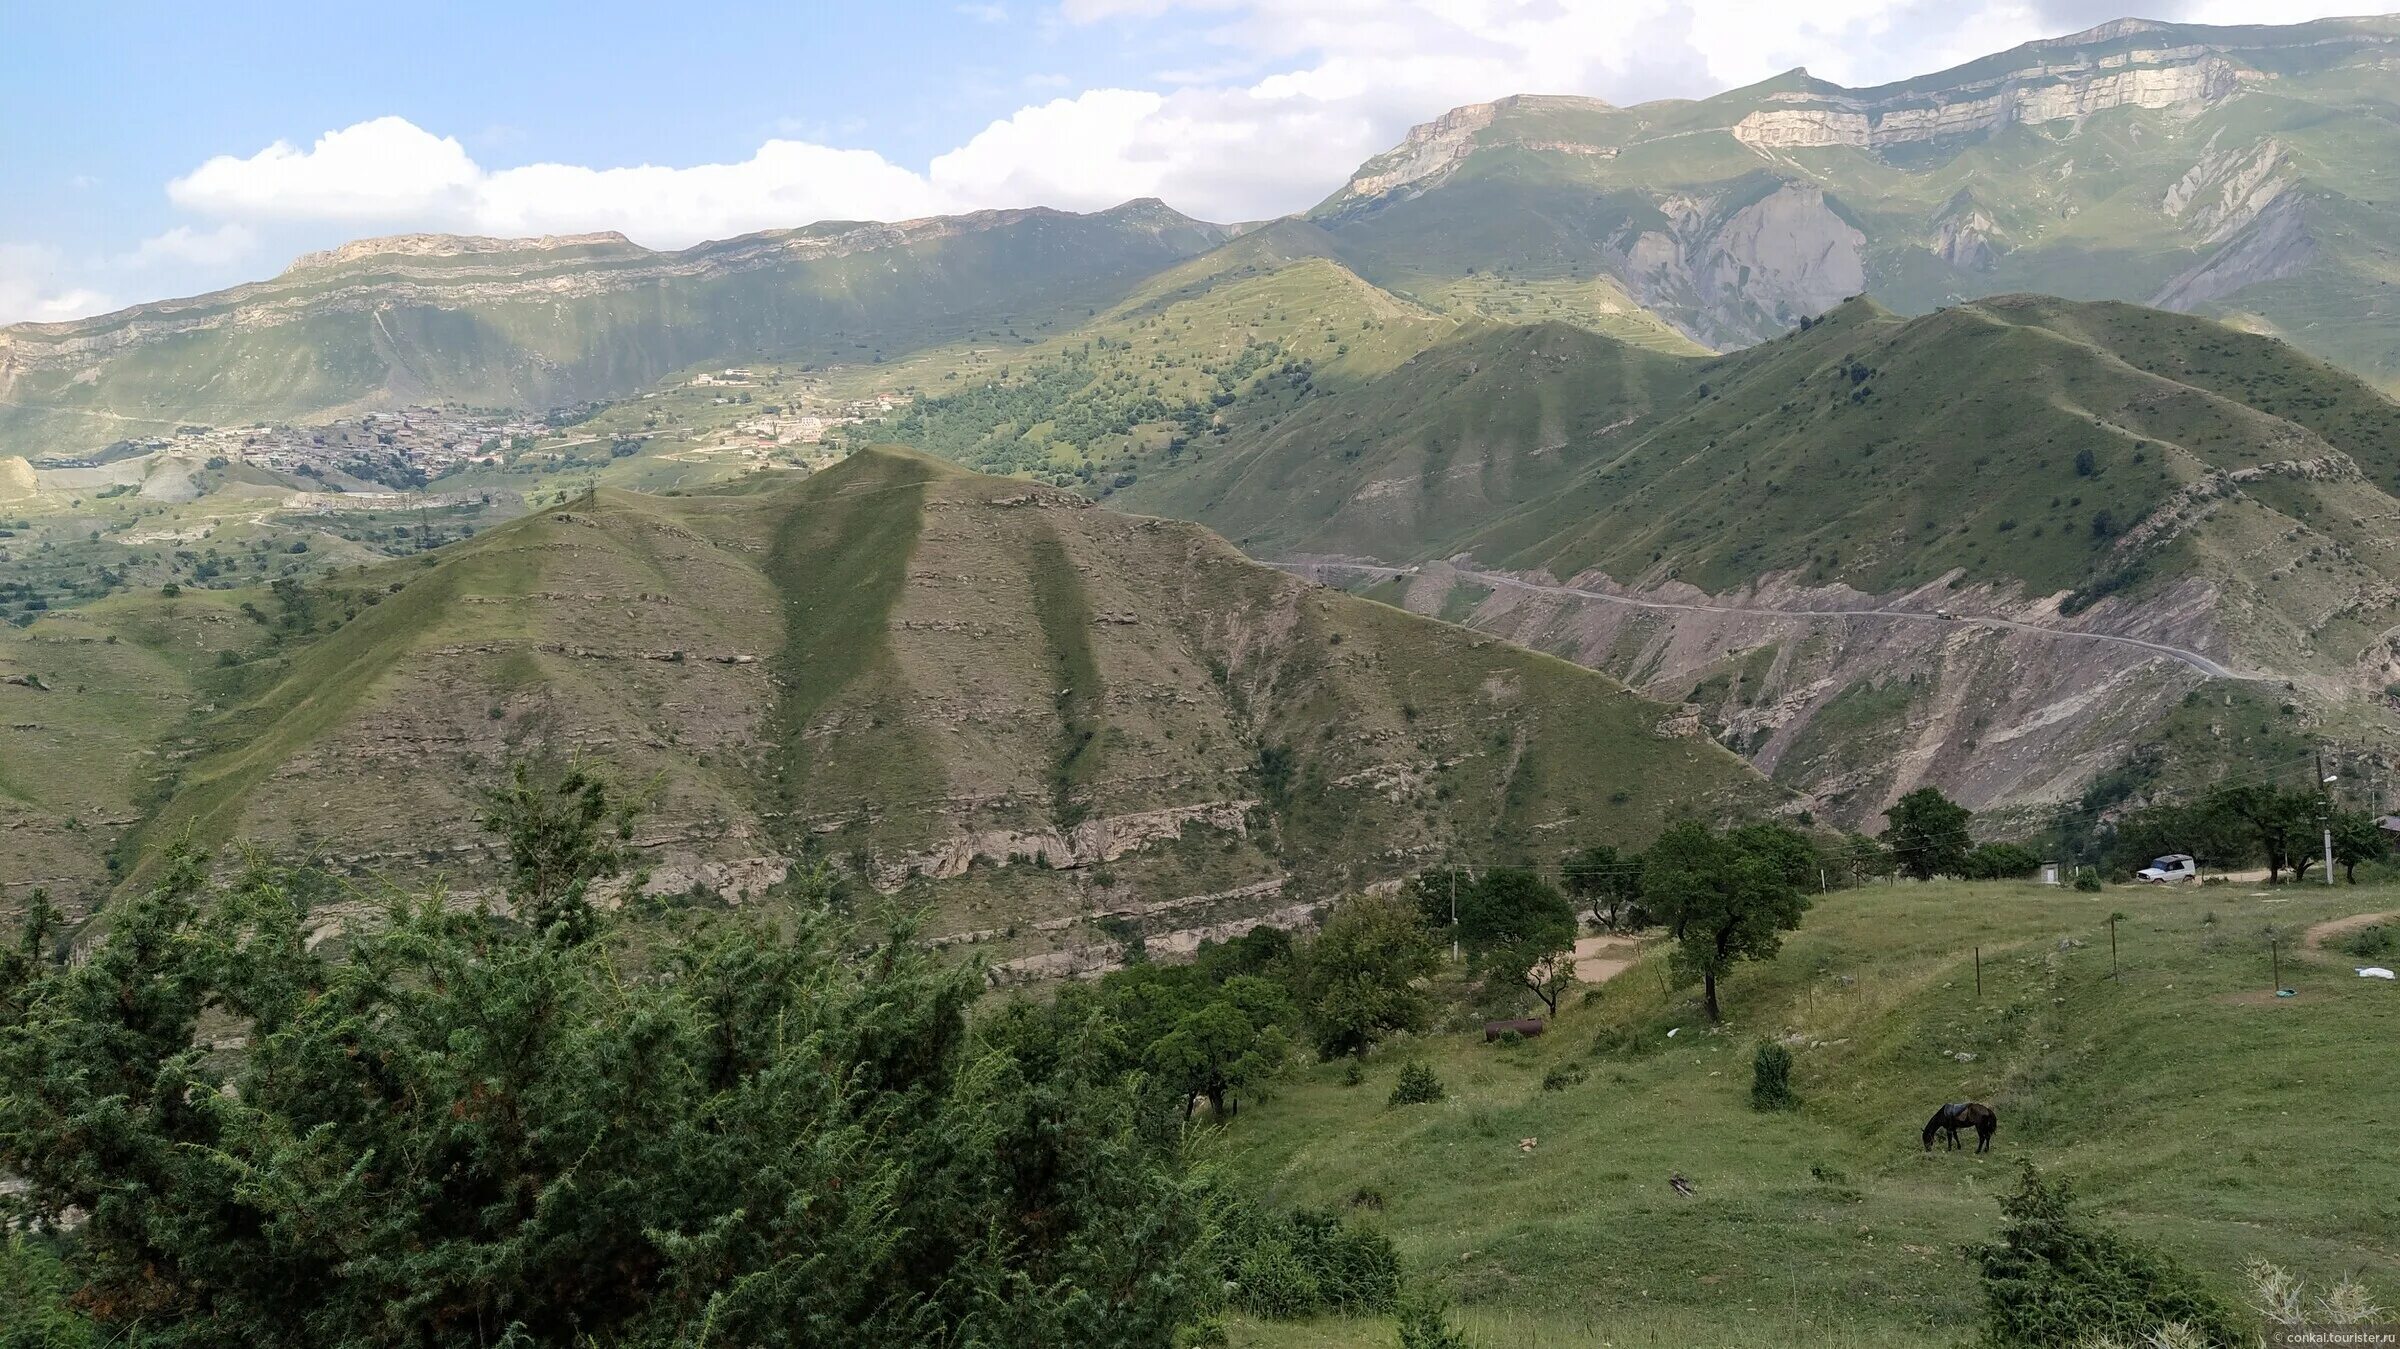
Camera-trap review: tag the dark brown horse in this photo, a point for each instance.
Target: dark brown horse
(1951, 1118)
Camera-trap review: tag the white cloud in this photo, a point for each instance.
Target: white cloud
(786, 183)
(223, 246)
(386, 169)
(1269, 107)
(31, 288)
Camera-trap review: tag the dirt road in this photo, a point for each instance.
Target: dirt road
(2204, 664)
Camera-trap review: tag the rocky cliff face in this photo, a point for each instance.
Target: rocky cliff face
(2172, 78)
(1432, 149)
(1730, 274)
(2271, 244)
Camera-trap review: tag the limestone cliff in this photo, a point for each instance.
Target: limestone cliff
(2175, 77)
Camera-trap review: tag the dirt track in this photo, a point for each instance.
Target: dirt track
(1600, 959)
(2319, 935)
(2194, 659)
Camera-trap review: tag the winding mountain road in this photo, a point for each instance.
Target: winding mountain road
(2193, 659)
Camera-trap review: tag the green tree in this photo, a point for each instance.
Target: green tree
(768, 1128)
(1726, 897)
(1928, 834)
(562, 832)
(1359, 977)
(1518, 929)
(2281, 822)
(1230, 1041)
(1858, 857)
(2357, 838)
(1999, 862)
(1607, 883)
(2211, 829)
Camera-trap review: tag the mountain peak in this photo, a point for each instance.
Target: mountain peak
(2107, 32)
(455, 246)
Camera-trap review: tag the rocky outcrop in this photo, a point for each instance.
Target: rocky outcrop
(1965, 236)
(2169, 78)
(1429, 149)
(1856, 711)
(2228, 189)
(1087, 844)
(1732, 276)
(458, 246)
(2273, 245)
(1432, 149)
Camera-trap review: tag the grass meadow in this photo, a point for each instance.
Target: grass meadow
(2187, 1104)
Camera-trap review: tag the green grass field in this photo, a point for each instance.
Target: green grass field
(2186, 1103)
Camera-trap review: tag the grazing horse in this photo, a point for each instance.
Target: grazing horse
(1958, 1115)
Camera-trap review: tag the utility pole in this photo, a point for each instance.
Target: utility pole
(1454, 913)
(2325, 812)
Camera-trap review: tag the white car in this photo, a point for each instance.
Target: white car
(2175, 866)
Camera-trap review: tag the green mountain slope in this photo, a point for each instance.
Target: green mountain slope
(539, 323)
(2147, 482)
(2241, 172)
(1015, 707)
(2064, 447)
(1410, 463)
(1234, 337)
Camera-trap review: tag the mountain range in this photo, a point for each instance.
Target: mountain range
(2244, 173)
(2023, 430)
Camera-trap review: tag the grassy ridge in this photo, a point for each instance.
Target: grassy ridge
(840, 563)
(598, 341)
(1416, 460)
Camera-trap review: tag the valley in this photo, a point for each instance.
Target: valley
(1456, 766)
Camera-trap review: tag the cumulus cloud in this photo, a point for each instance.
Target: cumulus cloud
(1292, 95)
(223, 246)
(1268, 109)
(32, 288)
(385, 169)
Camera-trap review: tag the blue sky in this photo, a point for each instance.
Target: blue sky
(149, 150)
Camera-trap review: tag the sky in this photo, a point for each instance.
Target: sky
(151, 150)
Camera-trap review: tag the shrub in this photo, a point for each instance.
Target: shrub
(1417, 1085)
(35, 1289)
(2053, 1278)
(2088, 881)
(1353, 1073)
(1301, 1262)
(1562, 1076)
(2286, 1301)
(1425, 1324)
(1272, 1282)
(1771, 1078)
(2373, 942)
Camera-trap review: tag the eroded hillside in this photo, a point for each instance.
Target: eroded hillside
(984, 695)
(2117, 506)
